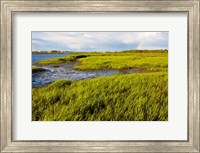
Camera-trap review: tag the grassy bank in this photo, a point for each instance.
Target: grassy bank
(133, 97)
(60, 60)
(157, 61)
(152, 63)
(56, 60)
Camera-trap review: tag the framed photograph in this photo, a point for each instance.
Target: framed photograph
(100, 76)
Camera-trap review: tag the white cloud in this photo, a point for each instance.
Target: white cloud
(100, 40)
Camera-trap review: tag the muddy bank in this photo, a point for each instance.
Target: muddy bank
(65, 71)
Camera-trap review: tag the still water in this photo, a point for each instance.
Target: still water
(38, 57)
(63, 71)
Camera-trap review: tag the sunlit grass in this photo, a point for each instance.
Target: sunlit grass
(153, 63)
(56, 60)
(122, 97)
(60, 60)
(157, 61)
(133, 97)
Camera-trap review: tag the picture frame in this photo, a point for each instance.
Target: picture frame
(9, 7)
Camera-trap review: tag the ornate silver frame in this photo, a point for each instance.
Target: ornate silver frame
(8, 7)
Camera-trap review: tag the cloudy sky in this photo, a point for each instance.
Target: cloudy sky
(98, 41)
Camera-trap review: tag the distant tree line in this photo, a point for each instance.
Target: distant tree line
(146, 50)
(124, 51)
(49, 52)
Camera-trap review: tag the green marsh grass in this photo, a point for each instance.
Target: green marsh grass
(122, 97)
(132, 97)
(60, 60)
(118, 60)
(56, 60)
(153, 63)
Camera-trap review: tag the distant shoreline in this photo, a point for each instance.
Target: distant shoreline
(78, 52)
(50, 53)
